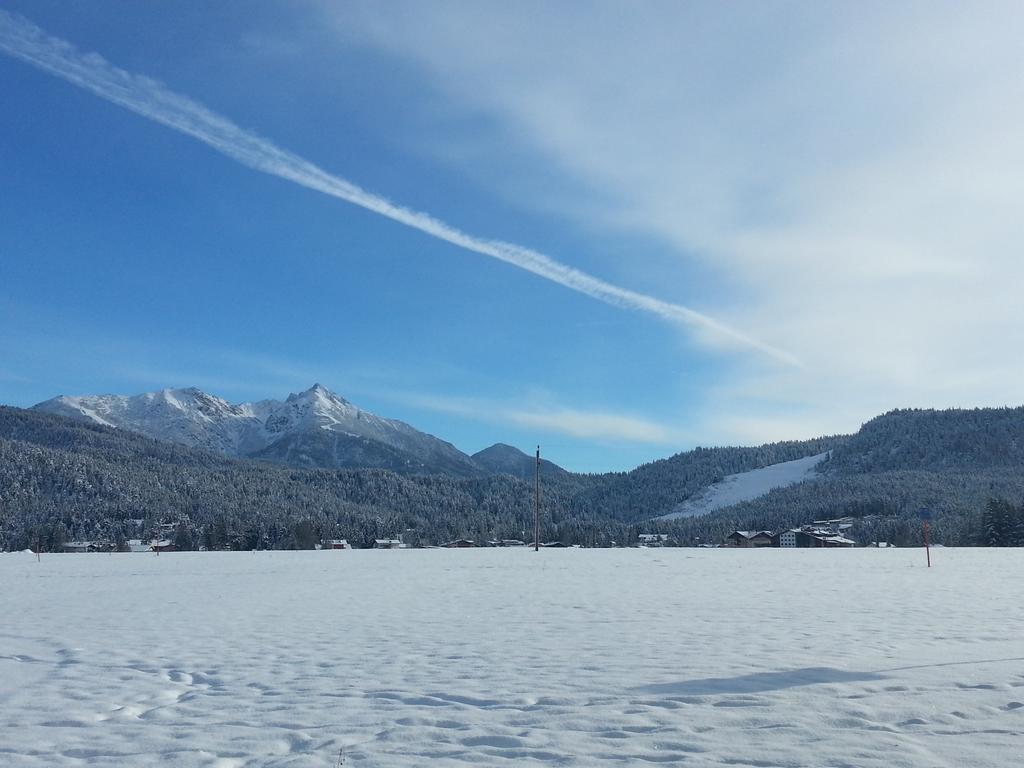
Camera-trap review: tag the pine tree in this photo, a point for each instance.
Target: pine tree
(1017, 526)
(182, 538)
(998, 523)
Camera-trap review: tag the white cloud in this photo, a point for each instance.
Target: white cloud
(851, 169)
(547, 417)
(14, 378)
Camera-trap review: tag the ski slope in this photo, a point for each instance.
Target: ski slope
(505, 657)
(745, 486)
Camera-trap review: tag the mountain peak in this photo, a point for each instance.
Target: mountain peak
(502, 449)
(317, 393)
(505, 458)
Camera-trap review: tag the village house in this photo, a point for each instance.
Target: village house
(809, 537)
(749, 539)
(81, 546)
(387, 543)
(830, 540)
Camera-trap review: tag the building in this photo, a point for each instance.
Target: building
(336, 544)
(749, 539)
(834, 540)
(460, 544)
(653, 539)
(387, 543)
(836, 525)
(81, 546)
(810, 537)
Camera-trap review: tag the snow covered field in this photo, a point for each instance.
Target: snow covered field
(510, 657)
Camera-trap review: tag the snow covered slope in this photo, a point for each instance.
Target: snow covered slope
(745, 486)
(859, 658)
(315, 428)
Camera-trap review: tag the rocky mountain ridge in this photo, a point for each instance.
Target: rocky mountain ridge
(312, 429)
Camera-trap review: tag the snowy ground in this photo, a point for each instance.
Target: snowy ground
(510, 657)
(745, 486)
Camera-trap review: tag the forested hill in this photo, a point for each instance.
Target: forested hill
(62, 478)
(67, 479)
(656, 488)
(936, 441)
(951, 462)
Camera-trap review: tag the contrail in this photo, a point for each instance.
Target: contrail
(22, 39)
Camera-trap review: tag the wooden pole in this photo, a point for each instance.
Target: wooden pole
(927, 549)
(536, 503)
(926, 515)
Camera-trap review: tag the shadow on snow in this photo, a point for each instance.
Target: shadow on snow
(760, 682)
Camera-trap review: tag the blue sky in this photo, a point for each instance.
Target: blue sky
(830, 187)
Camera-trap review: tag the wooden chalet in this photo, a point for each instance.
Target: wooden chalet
(749, 539)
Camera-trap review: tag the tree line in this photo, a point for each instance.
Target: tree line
(63, 479)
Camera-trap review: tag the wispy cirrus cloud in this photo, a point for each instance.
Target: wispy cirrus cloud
(24, 40)
(14, 378)
(847, 171)
(546, 417)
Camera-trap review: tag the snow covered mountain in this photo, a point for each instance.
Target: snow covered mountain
(315, 428)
